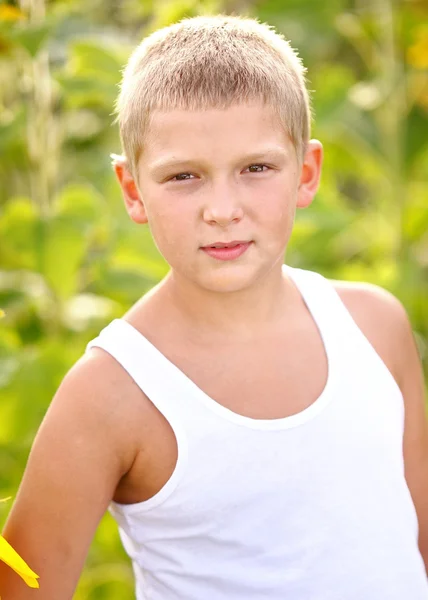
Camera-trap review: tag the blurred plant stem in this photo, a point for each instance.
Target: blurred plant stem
(42, 131)
(43, 140)
(391, 117)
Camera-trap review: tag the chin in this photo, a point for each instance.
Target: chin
(227, 280)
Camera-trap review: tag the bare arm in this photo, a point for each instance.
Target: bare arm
(82, 450)
(406, 366)
(385, 323)
(411, 382)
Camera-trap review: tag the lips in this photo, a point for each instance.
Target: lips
(225, 244)
(226, 250)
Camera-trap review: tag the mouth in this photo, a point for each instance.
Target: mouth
(226, 251)
(233, 244)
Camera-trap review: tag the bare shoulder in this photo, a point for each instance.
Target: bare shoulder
(370, 301)
(103, 395)
(382, 318)
(84, 446)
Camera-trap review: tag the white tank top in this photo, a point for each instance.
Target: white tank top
(313, 506)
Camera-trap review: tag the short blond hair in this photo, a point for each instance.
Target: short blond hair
(212, 62)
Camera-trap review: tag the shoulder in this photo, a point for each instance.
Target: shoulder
(100, 400)
(383, 320)
(373, 297)
(85, 445)
(370, 301)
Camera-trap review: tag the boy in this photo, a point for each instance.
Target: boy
(260, 430)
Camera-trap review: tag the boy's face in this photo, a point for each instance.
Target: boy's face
(220, 177)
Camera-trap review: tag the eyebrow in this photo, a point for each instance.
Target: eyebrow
(173, 162)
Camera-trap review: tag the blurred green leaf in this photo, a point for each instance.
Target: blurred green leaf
(19, 235)
(86, 91)
(91, 59)
(415, 214)
(64, 247)
(81, 203)
(31, 37)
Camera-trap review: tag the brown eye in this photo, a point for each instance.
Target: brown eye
(181, 177)
(258, 168)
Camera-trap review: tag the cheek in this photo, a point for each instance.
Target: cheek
(169, 223)
(276, 215)
(277, 208)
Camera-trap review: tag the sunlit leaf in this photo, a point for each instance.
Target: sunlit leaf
(19, 234)
(91, 59)
(31, 37)
(81, 203)
(64, 247)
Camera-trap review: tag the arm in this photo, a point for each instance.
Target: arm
(411, 382)
(82, 450)
(384, 321)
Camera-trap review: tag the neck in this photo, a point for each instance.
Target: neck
(240, 315)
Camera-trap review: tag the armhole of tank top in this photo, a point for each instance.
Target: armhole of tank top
(106, 342)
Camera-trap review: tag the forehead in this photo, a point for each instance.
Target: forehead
(214, 132)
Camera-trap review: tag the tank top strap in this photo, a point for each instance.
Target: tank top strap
(159, 379)
(324, 303)
(345, 342)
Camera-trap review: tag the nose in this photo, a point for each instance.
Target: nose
(222, 207)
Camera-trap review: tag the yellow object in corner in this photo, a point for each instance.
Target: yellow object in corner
(15, 562)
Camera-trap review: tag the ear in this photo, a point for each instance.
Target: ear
(310, 174)
(131, 196)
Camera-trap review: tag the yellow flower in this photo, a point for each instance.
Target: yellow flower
(10, 13)
(417, 54)
(15, 562)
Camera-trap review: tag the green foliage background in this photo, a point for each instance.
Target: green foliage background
(71, 260)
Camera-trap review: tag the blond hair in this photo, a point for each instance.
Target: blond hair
(212, 62)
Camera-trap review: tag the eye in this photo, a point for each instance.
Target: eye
(181, 177)
(258, 168)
